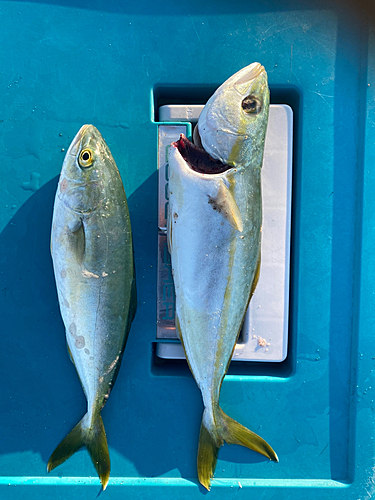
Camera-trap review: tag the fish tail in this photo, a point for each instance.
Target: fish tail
(90, 434)
(212, 436)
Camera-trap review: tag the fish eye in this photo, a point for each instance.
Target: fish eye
(251, 105)
(86, 158)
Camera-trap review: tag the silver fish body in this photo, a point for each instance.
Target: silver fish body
(214, 234)
(92, 253)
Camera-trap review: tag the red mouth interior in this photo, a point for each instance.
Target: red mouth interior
(198, 159)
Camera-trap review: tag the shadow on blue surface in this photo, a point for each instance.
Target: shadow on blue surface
(31, 360)
(222, 7)
(170, 7)
(346, 236)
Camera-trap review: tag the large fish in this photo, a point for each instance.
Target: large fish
(92, 253)
(214, 236)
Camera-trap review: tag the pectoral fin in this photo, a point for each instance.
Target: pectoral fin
(77, 238)
(74, 224)
(226, 205)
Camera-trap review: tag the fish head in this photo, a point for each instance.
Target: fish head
(82, 183)
(233, 123)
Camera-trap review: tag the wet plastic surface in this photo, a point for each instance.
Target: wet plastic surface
(64, 64)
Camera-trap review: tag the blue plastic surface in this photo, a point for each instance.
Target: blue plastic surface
(66, 63)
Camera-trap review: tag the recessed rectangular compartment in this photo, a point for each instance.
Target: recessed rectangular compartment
(264, 335)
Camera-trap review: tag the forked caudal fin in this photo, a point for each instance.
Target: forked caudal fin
(232, 432)
(89, 434)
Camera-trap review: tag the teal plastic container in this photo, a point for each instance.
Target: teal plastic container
(67, 63)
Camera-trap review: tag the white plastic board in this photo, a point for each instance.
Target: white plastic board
(264, 334)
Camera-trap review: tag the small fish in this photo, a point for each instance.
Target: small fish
(92, 254)
(214, 237)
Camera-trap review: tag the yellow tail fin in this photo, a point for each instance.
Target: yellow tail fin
(89, 434)
(225, 429)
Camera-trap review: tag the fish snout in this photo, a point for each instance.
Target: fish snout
(248, 77)
(255, 70)
(87, 134)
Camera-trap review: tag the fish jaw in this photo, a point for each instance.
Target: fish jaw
(227, 132)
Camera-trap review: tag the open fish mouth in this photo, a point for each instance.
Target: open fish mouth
(198, 159)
